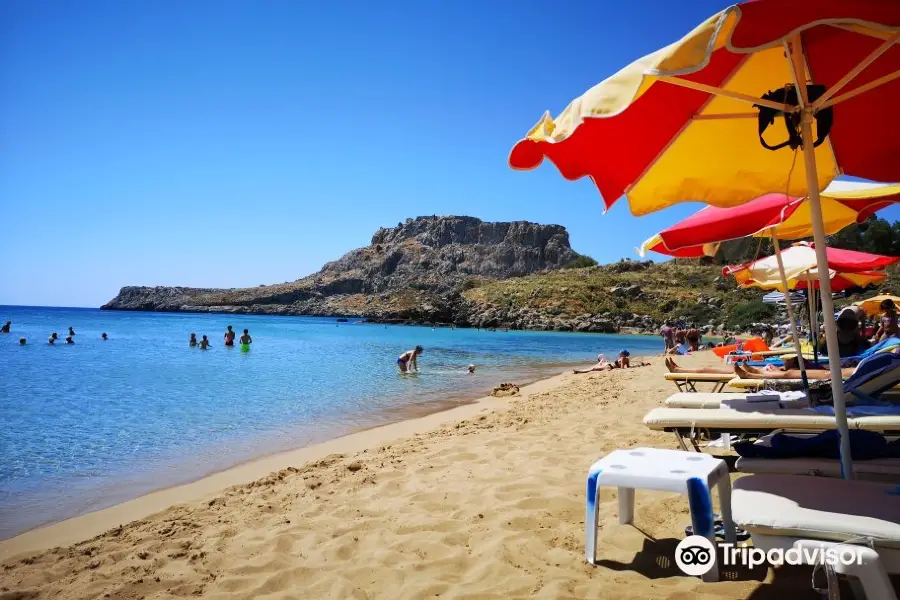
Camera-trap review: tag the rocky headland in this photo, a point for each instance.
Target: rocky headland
(469, 273)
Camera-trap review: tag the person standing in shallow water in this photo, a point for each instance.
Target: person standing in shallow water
(407, 360)
(6, 326)
(71, 331)
(246, 340)
(229, 336)
(193, 341)
(104, 337)
(53, 337)
(204, 343)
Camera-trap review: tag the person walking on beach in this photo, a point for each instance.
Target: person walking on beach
(407, 360)
(229, 336)
(246, 340)
(204, 343)
(6, 326)
(53, 337)
(668, 335)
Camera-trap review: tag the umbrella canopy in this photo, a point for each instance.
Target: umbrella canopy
(839, 281)
(872, 306)
(843, 203)
(686, 118)
(847, 269)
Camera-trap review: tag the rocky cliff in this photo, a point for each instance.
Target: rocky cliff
(414, 271)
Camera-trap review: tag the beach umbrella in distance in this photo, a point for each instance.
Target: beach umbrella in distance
(776, 216)
(801, 265)
(788, 218)
(872, 306)
(767, 95)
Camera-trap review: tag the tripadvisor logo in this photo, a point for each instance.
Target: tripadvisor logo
(695, 555)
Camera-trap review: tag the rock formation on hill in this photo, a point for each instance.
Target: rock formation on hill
(414, 271)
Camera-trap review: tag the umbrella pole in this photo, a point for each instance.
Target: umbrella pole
(813, 335)
(831, 339)
(790, 311)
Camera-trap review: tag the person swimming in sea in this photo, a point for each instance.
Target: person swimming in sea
(407, 360)
(53, 337)
(471, 369)
(21, 341)
(204, 343)
(69, 339)
(193, 341)
(229, 336)
(246, 340)
(6, 326)
(71, 331)
(103, 336)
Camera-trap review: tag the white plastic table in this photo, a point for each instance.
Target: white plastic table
(690, 473)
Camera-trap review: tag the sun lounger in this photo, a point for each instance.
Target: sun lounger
(876, 469)
(787, 511)
(714, 399)
(700, 399)
(687, 382)
(694, 424)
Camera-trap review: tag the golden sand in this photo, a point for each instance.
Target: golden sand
(483, 501)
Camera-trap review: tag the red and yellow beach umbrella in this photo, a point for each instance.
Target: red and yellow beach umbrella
(723, 115)
(843, 203)
(681, 124)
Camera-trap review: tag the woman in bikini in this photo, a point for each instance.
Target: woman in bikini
(407, 360)
(888, 327)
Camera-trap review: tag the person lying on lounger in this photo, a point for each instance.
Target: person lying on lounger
(748, 372)
(757, 373)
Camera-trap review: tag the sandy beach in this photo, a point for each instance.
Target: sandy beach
(482, 501)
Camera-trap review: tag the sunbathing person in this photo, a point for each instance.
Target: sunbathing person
(623, 362)
(747, 372)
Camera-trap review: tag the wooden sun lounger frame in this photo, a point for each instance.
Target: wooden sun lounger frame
(687, 382)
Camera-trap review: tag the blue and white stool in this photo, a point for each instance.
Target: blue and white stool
(690, 473)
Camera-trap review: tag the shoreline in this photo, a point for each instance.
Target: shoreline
(484, 500)
(90, 524)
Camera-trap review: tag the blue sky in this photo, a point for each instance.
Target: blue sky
(237, 143)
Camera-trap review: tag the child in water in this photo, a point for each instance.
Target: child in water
(69, 339)
(204, 343)
(6, 326)
(229, 336)
(471, 369)
(71, 331)
(407, 360)
(53, 338)
(21, 341)
(103, 336)
(193, 342)
(246, 339)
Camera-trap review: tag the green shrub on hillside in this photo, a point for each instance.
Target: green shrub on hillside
(581, 262)
(754, 311)
(700, 314)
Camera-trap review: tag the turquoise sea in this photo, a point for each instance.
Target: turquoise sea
(92, 424)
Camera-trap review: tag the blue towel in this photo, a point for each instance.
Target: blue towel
(864, 445)
(864, 410)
